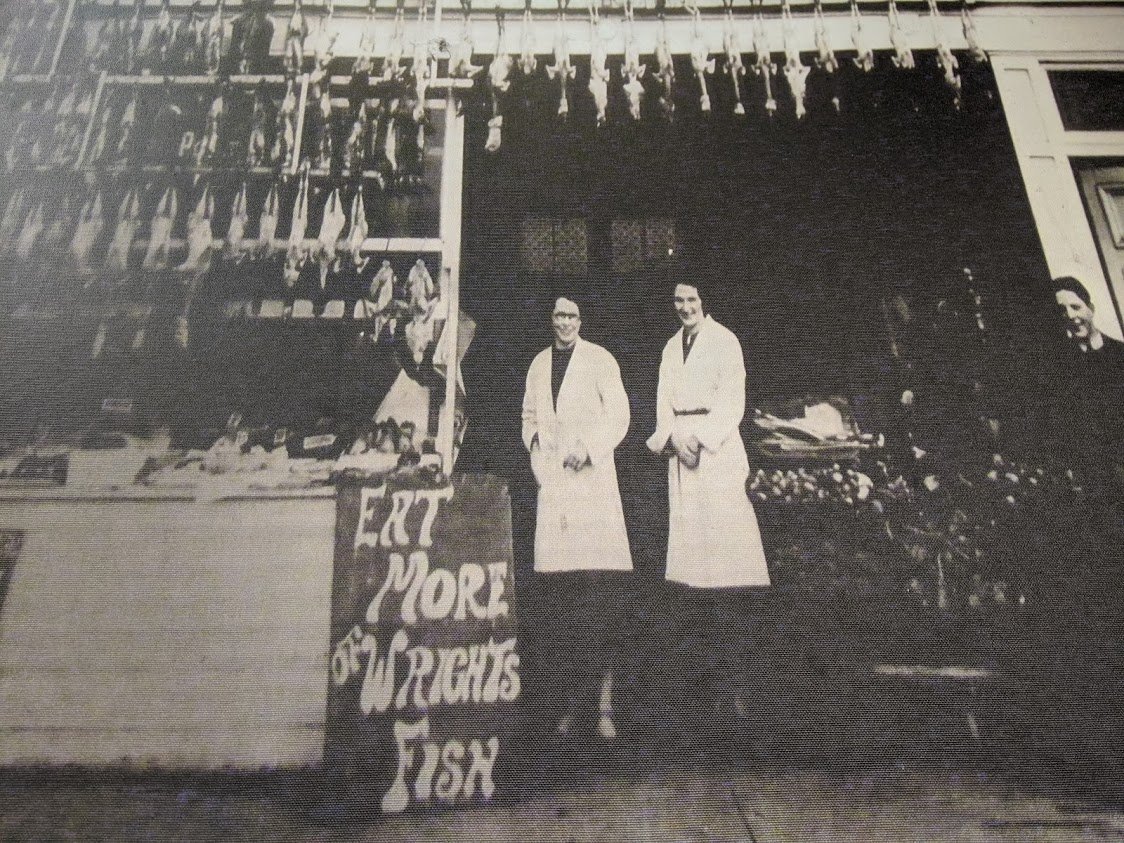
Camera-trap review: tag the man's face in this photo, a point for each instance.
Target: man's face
(567, 321)
(1078, 316)
(688, 306)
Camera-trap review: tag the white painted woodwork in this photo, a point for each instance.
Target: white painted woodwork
(170, 633)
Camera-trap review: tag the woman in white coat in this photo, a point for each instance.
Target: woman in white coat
(575, 414)
(714, 543)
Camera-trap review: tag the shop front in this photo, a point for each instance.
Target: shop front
(239, 243)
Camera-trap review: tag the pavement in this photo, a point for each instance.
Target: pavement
(690, 805)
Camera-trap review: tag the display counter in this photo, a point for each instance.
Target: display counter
(166, 628)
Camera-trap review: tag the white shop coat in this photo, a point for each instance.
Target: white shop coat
(713, 538)
(580, 522)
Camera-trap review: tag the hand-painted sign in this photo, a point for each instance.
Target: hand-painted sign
(424, 667)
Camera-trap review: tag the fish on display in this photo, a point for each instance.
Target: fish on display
(460, 54)
(763, 64)
(209, 141)
(160, 42)
(825, 55)
(421, 69)
(125, 139)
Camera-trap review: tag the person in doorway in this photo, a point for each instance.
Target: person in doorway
(1088, 399)
(575, 414)
(714, 548)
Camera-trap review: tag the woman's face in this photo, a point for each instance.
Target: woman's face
(688, 306)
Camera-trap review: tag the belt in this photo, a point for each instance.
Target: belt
(701, 411)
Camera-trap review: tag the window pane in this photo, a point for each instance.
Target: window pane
(1089, 100)
(538, 245)
(570, 247)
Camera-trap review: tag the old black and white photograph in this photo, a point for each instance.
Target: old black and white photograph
(572, 420)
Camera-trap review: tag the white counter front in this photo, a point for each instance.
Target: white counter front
(144, 628)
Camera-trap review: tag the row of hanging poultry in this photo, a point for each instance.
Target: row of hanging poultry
(79, 234)
(205, 43)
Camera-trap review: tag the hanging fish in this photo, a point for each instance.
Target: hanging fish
(8, 46)
(199, 234)
(121, 244)
(665, 70)
(160, 231)
(51, 242)
(763, 64)
(296, 254)
(295, 34)
(598, 66)
(825, 56)
(632, 71)
(29, 233)
(213, 36)
(285, 136)
(236, 231)
(903, 55)
(267, 223)
(864, 58)
(562, 69)
(332, 224)
(87, 230)
(499, 83)
(528, 62)
(794, 70)
(257, 147)
(357, 233)
(701, 62)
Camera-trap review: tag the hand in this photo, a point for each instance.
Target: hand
(577, 459)
(687, 447)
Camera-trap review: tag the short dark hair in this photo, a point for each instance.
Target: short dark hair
(568, 297)
(1067, 283)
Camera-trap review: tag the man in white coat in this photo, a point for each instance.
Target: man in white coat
(575, 414)
(714, 544)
